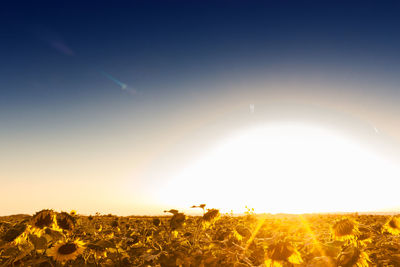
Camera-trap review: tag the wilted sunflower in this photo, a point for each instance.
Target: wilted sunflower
(392, 226)
(282, 251)
(65, 221)
(173, 211)
(43, 218)
(177, 221)
(65, 251)
(201, 206)
(344, 229)
(211, 215)
(243, 231)
(12, 234)
(99, 248)
(352, 256)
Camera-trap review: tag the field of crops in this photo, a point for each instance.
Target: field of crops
(50, 238)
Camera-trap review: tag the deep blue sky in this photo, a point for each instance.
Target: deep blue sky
(162, 45)
(108, 93)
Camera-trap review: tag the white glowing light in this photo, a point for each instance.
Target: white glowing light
(287, 168)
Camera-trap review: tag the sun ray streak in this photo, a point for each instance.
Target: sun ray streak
(316, 243)
(260, 223)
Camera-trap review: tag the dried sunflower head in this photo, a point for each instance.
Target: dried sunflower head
(65, 251)
(43, 218)
(344, 229)
(65, 221)
(392, 226)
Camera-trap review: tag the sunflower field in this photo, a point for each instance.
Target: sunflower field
(51, 238)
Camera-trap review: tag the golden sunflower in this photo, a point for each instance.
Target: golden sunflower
(344, 229)
(392, 226)
(65, 251)
(43, 218)
(65, 221)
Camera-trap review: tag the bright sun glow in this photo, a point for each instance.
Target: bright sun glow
(286, 168)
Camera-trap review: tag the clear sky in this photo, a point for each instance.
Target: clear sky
(133, 107)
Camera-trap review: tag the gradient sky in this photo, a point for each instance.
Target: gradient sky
(102, 103)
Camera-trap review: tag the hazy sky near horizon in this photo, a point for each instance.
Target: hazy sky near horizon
(101, 103)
